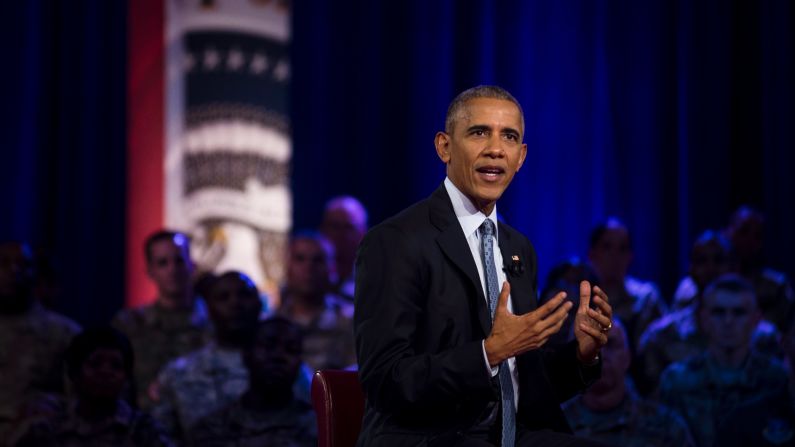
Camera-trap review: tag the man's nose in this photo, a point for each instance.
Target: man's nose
(729, 318)
(495, 147)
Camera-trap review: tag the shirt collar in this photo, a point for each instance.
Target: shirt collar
(468, 216)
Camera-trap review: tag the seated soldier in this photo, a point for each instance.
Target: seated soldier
(767, 421)
(100, 363)
(706, 387)
(637, 303)
(344, 225)
(773, 290)
(679, 335)
(325, 318)
(32, 339)
(611, 412)
(210, 378)
(566, 277)
(710, 258)
(268, 414)
(176, 323)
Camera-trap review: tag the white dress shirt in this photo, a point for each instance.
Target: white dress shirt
(471, 219)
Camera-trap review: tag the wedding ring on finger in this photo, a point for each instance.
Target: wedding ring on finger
(609, 326)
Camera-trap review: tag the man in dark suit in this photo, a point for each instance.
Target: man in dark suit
(450, 341)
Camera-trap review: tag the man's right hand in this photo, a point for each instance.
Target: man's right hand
(512, 334)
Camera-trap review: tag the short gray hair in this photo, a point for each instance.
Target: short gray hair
(481, 91)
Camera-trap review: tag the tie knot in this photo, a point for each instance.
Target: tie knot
(487, 227)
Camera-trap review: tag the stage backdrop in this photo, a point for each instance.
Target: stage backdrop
(665, 113)
(217, 164)
(668, 113)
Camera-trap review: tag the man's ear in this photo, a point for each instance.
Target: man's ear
(522, 156)
(442, 143)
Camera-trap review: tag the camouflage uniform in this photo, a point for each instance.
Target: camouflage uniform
(32, 347)
(634, 423)
(677, 336)
(126, 428)
(686, 293)
(328, 339)
(763, 422)
(202, 382)
(704, 392)
(159, 335)
(637, 308)
(293, 426)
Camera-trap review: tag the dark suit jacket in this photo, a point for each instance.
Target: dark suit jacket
(420, 318)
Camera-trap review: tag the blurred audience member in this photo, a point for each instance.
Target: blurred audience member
(635, 302)
(679, 334)
(344, 224)
(706, 387)
(268, 414)
(210, 378)
(100, 364)
(325, 318)
(32, 339)
(773, 290)
(611, 412)
(767, 421)
(709, 259)
(566, 277)
(175, 323)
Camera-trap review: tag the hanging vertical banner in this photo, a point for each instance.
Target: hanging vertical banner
(228, 147)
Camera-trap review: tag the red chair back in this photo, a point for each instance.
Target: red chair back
(339, 404)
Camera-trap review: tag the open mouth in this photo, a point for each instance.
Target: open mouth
(490, 173)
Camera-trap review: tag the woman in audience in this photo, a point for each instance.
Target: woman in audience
(99, 365)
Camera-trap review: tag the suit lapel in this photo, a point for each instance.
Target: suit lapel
(522, 296)
(453, 244)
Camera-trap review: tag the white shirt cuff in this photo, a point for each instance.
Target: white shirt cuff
(493, 370)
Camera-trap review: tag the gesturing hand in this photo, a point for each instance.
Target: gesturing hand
(591, 325)
(514, 334)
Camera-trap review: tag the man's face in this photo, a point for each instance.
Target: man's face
(344, 227)
(275, 357)
(612, 254)
(102, 374)
(308, 268)
(484, 150)
(234, 304)
(708, 261)
(729, 318)
(170, 267)
(16, 276)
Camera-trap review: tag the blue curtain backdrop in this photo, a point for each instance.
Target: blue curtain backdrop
(64, 147)
(667, 114)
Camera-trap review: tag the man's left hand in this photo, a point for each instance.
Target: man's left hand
(592, 325)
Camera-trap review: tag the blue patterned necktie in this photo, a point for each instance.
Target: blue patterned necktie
(493, 289)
